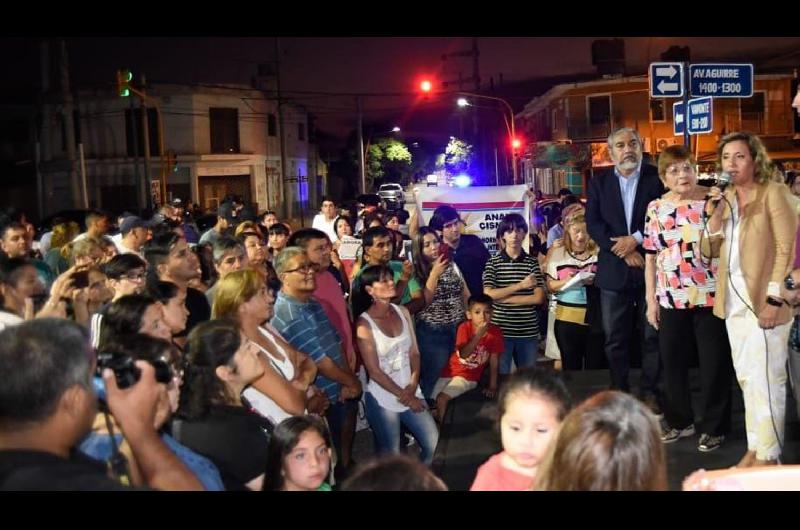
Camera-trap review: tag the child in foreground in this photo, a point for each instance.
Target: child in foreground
(532, 405)
(299, 456)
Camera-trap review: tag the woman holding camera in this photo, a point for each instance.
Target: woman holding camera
(213, 418)
(105, 439)
(753, 227)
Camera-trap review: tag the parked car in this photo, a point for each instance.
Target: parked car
(392, 193)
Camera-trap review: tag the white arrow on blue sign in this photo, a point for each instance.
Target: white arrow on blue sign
(666, 80)
(721, 80)
(700, 119)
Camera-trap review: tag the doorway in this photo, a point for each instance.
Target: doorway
(213, 189)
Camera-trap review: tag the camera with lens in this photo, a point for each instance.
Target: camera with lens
(127, 373)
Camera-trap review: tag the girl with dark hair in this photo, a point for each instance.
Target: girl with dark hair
(131, 314)
(173, 302)
(532, 405)
(446, 296)
(214, 421)
(299, 456)
(389, 350)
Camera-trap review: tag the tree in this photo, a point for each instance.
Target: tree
(459, 156)
(388, 160)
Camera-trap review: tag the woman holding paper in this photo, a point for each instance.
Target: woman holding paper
(680, 291)
(570, 273)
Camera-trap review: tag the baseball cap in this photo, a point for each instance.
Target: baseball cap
(133, 221)
(226, 211)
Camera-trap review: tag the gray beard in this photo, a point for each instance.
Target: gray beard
(627, 165)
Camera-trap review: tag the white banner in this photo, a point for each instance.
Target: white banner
(482, 207)
(348, 248)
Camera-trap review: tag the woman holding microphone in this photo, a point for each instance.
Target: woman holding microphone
(753, 227)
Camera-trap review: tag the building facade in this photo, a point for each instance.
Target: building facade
(571, 122)
(202, 143)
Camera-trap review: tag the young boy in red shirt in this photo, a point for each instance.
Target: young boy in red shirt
(478, 343)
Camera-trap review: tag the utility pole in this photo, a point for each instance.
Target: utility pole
(42, 150)
(284, 188)
(361, 163)
(68, 109)
(142, 187)
(474, 53)
(146, 147)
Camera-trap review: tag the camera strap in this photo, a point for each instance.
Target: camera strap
(117, 464)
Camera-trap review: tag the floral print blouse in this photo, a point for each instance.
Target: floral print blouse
(684, 278)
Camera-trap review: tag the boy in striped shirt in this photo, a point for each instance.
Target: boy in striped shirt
(514, 281)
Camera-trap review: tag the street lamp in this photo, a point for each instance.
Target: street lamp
(463, 102)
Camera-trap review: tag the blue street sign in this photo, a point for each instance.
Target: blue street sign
(700, 118)
(721, 80)
(678, 118)
(666, 80)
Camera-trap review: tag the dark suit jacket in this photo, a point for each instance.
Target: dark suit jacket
(605, 218)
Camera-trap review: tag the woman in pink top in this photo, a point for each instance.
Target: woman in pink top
(532, 404)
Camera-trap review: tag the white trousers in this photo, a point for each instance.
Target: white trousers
(761, 371)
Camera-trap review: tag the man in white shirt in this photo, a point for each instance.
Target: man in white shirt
(325, 219)
(135, 232)
(97, 225)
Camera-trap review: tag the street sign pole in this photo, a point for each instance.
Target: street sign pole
(686, 141)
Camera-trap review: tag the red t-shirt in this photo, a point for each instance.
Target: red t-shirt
(472, 367)
(492, 476)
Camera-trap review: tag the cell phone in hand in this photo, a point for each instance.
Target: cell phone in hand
(80, 279)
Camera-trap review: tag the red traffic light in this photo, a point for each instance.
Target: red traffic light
(516, 143)
(425, 85)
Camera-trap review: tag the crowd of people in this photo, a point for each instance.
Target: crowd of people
(238, 358)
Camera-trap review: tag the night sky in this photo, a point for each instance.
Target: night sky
(384, 65)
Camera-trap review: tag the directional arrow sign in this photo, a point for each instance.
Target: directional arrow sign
(722, 80)
(666, 80)
(699, 120)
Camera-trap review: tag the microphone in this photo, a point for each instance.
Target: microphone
(723, 179)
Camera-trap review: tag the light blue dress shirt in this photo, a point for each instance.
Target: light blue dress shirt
(627, 188)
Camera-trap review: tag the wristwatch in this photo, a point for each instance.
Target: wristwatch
(774, 302)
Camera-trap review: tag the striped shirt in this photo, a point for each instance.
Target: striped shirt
(305, 326)
(516, 321)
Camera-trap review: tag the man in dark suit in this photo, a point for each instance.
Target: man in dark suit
(615, 215)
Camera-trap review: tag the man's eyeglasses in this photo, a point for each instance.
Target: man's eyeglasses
(305, 269)
(134, 277)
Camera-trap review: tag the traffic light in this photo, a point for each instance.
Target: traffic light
(172, 161)
(124, 78)
(426, 86)
(516, 143)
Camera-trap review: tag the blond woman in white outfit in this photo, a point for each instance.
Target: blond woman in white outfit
(754, 229)
(283, 390)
